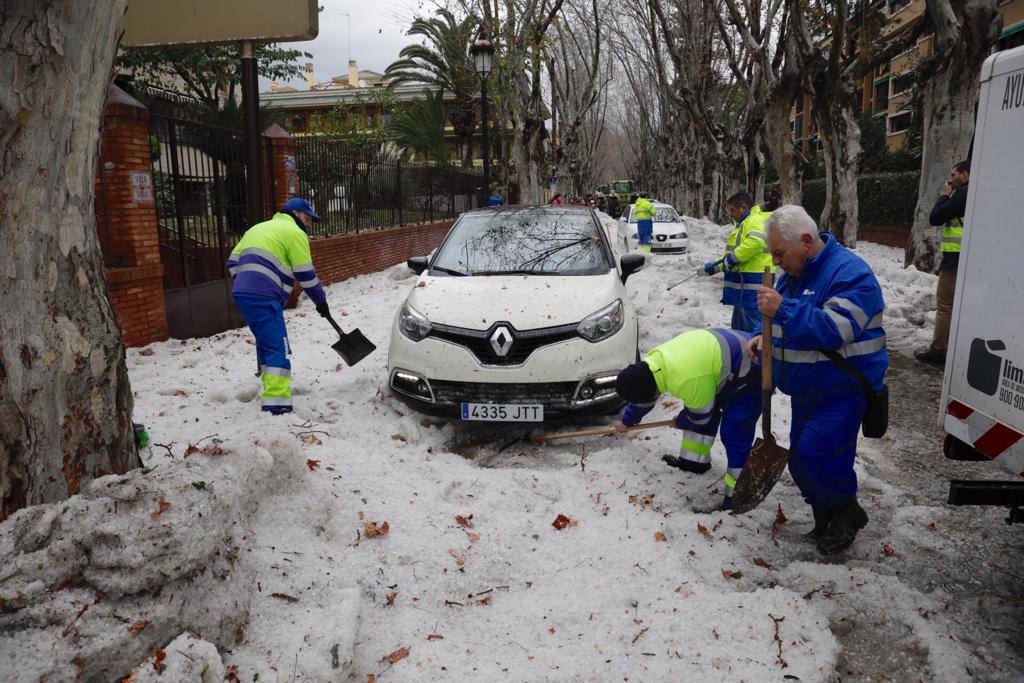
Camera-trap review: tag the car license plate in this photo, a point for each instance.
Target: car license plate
(503, 412)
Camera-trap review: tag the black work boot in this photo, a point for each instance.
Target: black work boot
(687, 465)
(821, 519)
(840, 532)
(931, 357)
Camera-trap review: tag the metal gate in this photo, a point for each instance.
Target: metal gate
(200, 189)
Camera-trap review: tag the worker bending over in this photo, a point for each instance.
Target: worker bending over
(710, 372)
(269, 258)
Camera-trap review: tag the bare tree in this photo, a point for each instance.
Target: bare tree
(949, 80)
(833, 61)
(65, 402)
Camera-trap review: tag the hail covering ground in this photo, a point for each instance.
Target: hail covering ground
(471, 580)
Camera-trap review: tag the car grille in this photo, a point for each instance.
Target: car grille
(524, 342)
(551, 394)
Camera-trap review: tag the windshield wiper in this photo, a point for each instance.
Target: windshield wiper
(448, 271)
(520, 271)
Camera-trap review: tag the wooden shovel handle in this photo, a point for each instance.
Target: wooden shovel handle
(766, 363)
(600, 431)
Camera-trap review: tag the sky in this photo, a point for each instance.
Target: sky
(378, 34)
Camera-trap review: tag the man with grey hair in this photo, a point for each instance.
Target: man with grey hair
(827, 346)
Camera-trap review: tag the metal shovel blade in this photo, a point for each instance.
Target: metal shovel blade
(353, 347)
(763, 468)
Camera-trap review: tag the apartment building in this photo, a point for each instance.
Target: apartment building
(886, 92)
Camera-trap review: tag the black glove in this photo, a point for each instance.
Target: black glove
(323, 309)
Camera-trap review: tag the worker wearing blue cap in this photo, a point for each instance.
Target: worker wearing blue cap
(264, 264)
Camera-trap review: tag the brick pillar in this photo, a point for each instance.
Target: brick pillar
(126, 221)
(281, 179)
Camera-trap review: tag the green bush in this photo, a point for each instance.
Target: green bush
(884, 198)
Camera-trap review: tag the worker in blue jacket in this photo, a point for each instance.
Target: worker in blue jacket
(265, 263)
(828, 299)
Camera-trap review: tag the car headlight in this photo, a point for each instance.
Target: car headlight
(602, 324)
(412, 323)
(678, 236)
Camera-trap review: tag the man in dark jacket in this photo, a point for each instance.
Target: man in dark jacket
(949, 212)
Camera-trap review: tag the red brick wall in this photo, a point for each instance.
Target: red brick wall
(126, 221)
(340, 258)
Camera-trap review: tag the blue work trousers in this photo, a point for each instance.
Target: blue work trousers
(823, 445)
(645, 231)
(265, 318)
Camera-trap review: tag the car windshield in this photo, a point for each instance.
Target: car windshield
(662, 214)
(529, 242)
(623, 187)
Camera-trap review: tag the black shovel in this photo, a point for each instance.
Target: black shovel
(353, 346)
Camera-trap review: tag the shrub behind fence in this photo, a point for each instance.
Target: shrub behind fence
(354, 192)
(886, 199)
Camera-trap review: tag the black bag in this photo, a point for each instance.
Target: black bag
(876, 417)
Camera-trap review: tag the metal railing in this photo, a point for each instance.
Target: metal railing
(355, 192)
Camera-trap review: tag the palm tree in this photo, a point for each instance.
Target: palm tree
(443, 61)
(419, 127)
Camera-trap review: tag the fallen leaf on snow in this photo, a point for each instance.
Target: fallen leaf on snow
(551, 630)
(460, 558)
(192, 448)
(762, 563)
(483, 601)
(371, 678)
(683, 591)
(890, 552)
(313, 465)
(160, 510)
(466, 522)
(780, 518)
(180, 392)
(660, 537)
(138, 626)
(642, 502)
(391, 598)
(561, 521)
(310, 439)
(728, 574)
(231, 674)
(396, 656)
(397, 437)
(435, 636)
(285, 597)
(703, 530)
(371, 529)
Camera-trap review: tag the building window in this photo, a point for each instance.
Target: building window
(901, 84)
(882, 96)
(899, 123)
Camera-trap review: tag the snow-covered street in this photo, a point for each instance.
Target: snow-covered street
(415, 549)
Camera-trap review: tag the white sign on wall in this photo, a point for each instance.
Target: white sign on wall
(142, 187)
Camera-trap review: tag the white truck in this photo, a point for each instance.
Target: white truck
(982, 407)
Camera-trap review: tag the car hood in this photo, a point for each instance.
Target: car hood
(669, 228)
(525, 301)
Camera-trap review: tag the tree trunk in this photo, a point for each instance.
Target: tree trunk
(947, 105)
(784, 154)
(840, 136)
(65, 402)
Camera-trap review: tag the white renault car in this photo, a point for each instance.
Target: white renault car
(520, 315)
(669, 230)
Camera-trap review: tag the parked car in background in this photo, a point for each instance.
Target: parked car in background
(670, 235)
(519, 316)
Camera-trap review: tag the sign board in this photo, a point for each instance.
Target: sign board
(166, 23)
(142, 187)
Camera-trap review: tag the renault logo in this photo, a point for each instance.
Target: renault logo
(501, 341)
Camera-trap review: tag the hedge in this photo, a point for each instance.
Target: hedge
(885, 198)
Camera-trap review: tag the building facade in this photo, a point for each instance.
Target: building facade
(886, 92)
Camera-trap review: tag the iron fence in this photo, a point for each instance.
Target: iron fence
(354, 192)
(200, 191)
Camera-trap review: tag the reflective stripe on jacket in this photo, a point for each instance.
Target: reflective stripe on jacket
(270, 257)
(749, 247)
(835, 304)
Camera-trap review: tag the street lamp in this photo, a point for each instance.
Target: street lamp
(482, 52)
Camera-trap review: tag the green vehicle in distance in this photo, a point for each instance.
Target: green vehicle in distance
(623, 189)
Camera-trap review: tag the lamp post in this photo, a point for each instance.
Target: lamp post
(482, 52)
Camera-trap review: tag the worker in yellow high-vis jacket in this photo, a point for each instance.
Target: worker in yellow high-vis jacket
(719, 385)
(643, 211)
(264, 264)
(746, 256)
(948, 213)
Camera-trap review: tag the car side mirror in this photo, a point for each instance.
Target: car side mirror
(417, 264)
(631, 263)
